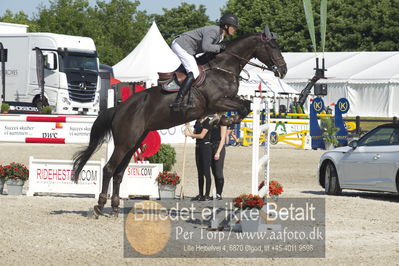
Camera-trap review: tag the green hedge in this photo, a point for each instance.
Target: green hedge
(166, 155)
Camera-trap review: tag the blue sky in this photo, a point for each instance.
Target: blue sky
(151, 6)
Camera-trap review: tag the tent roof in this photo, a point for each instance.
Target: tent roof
(269, 82)
(356, 67)
(150, 56)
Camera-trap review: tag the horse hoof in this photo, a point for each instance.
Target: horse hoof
(114, 214)
(97, 212)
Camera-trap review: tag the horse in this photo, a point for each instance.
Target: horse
(149, 110)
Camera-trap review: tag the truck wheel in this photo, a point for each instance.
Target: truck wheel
(331, 182)
(39, 104)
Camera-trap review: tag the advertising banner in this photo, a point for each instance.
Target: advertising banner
(55, 176)
(140, 180)
(28, 131)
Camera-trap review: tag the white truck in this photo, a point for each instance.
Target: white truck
(71, 67)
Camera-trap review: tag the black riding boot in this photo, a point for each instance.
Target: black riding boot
(185, 87)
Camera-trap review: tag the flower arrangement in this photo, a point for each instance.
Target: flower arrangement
(248, 201)
(2, 172)
(168, 178)
(15, 170)
(275, 188)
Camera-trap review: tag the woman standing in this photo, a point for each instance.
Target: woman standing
(218, 139)
(203, 154)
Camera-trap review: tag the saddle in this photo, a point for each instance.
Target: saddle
(171, 81)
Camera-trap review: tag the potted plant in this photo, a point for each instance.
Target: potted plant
(167, 183)
(4, 108)
(248, 202)
(328, 134)
(16, 175)
(250, 206)
(2, 178)
(275, 189)
(46, 110)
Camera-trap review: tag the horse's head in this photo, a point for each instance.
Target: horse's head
(268, 52)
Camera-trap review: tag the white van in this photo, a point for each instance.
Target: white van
(71, 65)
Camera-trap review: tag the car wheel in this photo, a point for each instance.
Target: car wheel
(397, 182)
(331, 182)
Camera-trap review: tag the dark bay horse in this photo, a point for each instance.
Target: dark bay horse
(149, 110)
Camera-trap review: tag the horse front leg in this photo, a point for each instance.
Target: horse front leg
(117, 180)
(118, 176)
(242, 106)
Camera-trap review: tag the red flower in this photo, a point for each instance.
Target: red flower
(167, 178)
(248, 201)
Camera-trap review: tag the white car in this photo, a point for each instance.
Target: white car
(370, 163)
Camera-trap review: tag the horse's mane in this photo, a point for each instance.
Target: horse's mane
(206, 57)
(239, 38)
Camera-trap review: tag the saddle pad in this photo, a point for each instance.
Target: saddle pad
(170, 86)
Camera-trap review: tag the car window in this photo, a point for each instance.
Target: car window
(380, 136)
(395, 137)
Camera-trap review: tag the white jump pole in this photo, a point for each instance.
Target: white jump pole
(264, 160)
(110, 144)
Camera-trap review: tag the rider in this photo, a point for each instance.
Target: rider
(191, 43)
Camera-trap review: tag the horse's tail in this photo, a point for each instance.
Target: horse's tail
(100, 131)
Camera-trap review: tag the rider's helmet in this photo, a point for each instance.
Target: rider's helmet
(228, 19)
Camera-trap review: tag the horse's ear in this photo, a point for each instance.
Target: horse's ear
(268, 33)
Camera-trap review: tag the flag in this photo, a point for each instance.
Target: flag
(260, 89)
(114, 81)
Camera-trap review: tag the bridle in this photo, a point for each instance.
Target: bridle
(279, 60)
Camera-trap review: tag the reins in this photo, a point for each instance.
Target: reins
(249, 61)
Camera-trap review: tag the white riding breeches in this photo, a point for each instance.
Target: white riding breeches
(186, 59)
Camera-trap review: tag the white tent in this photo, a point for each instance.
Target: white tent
(269, 83)
(150, 56)
(369, 80)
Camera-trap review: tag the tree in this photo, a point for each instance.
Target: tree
(115, 26)
(281, 16)
(351, 25)
(181, 19)
(19, 18)
(119, 28)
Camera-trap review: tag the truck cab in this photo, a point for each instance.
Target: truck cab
(71, 67)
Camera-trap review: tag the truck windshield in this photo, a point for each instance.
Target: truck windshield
(79, 63)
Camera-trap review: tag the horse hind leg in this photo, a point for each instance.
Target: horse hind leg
(108, 171)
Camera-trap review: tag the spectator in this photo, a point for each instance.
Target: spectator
(218, 139)
(203, 156)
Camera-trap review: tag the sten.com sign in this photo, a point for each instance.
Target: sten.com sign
(139, 179)
(55, 176)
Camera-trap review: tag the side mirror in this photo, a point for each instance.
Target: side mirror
(50, 61)
(353, 144)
